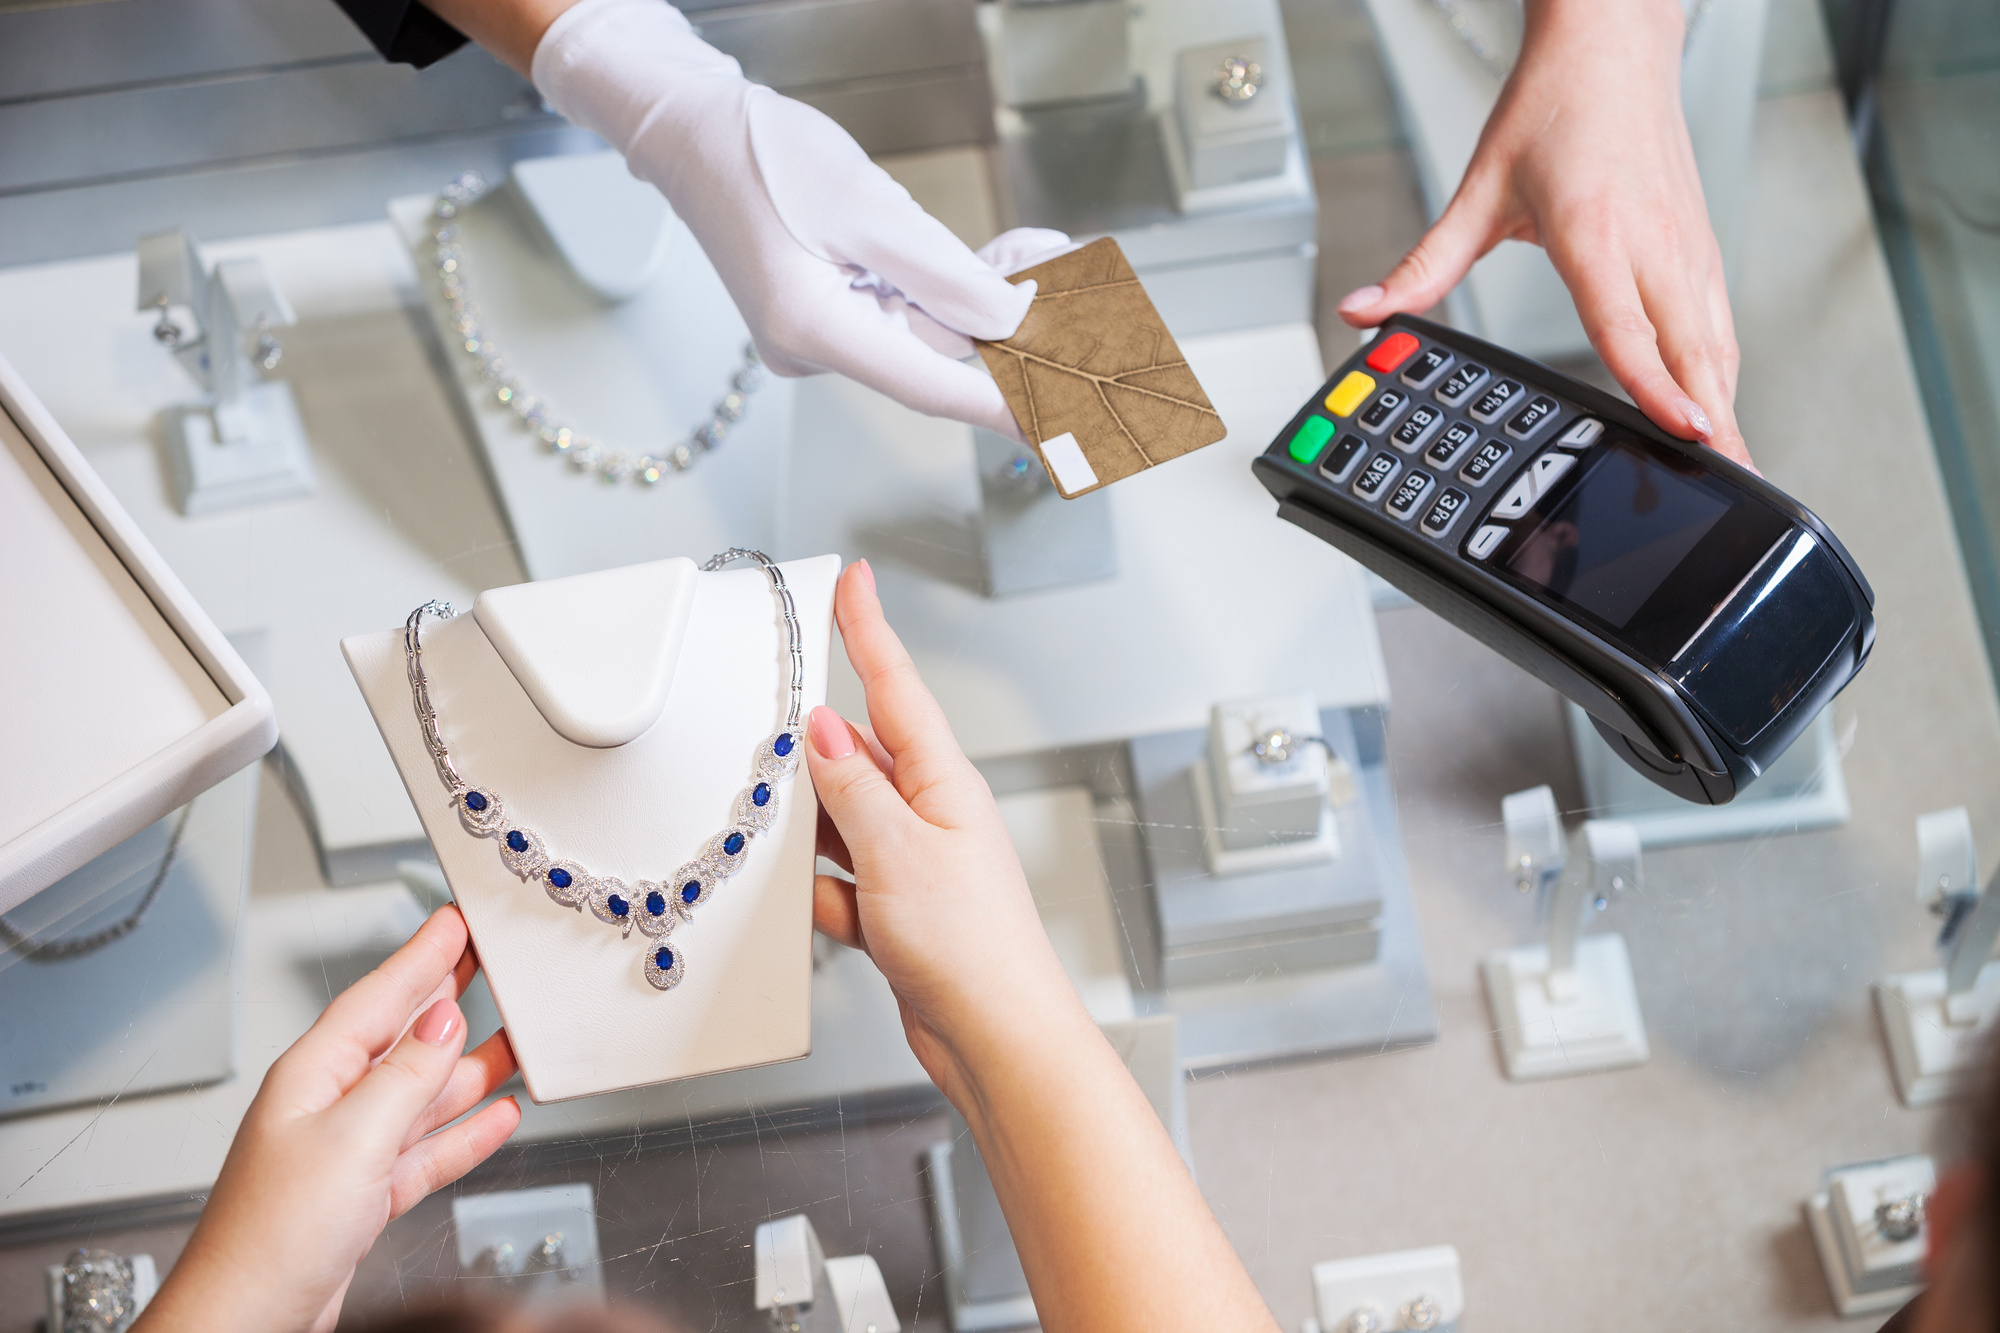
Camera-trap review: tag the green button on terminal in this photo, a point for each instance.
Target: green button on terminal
(1312, 438)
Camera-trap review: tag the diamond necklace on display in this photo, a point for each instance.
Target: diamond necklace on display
(468, 325)
(1463, 29)
(655, 907)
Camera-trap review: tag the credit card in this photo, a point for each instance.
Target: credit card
(1094, 377)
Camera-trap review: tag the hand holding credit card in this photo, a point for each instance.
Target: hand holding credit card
(1094, 378)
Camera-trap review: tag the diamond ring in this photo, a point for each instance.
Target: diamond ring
(1421, 1313)
(98, 1294)
(1238, 79)
(1900, 1219)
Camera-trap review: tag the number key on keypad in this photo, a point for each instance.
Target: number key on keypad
(1418, 427)
(1444, 512)
(1414, 489)
(1457, 438)
(1495, 400)
(1338, 465)
(1383, 410)
(1485, 463)
(1537, 414)
(1423, 371)
(1375, 478)
(1460, 386)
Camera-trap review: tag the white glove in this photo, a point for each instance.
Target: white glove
(832, 264)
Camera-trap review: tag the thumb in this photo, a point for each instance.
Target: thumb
(857, 795)
(1433, 266)
(390, 1097)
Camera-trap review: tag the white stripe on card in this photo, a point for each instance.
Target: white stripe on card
(1065, 458)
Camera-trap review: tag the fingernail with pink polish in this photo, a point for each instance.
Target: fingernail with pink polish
(866, 573)
(1361, 298)
(1697, 419)
(830, 735)
(437, 1025)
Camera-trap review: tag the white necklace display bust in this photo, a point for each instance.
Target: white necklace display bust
(617, 714)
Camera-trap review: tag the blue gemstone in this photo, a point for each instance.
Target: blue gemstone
(559, 877)
(783, 745)
(690, 890)
(618, 906)
(664, 960)
(760, 795)
(656, 903)
(733, 843)
(475, 801)
(517, 841)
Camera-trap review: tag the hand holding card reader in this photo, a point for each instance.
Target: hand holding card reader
(1701, 616)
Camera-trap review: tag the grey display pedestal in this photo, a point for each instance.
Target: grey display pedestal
(1290, 1011)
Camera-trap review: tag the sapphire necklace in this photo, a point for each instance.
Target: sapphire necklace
(655, 907)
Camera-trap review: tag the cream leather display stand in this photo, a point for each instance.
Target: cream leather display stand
(616, 714)
(635, 364)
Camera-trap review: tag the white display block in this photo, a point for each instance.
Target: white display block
(120, 700)
(1393, 1287)
(266, 459)
(1936, 1041)
(1804, 788)
(1867, 1271)
(573, 995)
(1578, 1022)
(1064, 52)
(636, 375)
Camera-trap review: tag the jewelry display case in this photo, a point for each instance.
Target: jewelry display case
(1337, 1079)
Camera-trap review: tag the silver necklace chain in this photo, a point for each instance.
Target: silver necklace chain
(475, 339)
(1462, 28)
(45, 951)
(656, 907)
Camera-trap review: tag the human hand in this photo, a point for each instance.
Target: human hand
(832, 264)
(339, 1140)
(939, 900)
(1587, 155)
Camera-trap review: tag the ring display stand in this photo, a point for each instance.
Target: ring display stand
(1936, 1021)
(1567, 1006)
(1871, 1268)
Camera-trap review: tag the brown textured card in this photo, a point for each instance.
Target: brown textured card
(1094, 377)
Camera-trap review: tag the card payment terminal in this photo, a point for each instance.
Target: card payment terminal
(1701, 616)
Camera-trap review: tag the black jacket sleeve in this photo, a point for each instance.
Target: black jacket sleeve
(403, 30)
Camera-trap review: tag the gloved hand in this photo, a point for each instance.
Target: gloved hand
(832, 264)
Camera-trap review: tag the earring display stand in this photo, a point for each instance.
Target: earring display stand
(1567, 1006)
(1936, 1021)
(1406, 1289)
(538, 1246)
(636, 375)
(1868, 1269)
(245, 444)
(806, 1292)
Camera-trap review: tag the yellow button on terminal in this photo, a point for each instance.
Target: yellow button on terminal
(1347, 394)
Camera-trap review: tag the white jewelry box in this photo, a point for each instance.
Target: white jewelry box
(543, 700)
(120, 700)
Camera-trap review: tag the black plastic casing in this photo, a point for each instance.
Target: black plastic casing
(1647, 716)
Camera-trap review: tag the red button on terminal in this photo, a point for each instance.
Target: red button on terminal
(1391, 352)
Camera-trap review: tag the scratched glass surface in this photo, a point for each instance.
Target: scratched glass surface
(1335, 1077)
